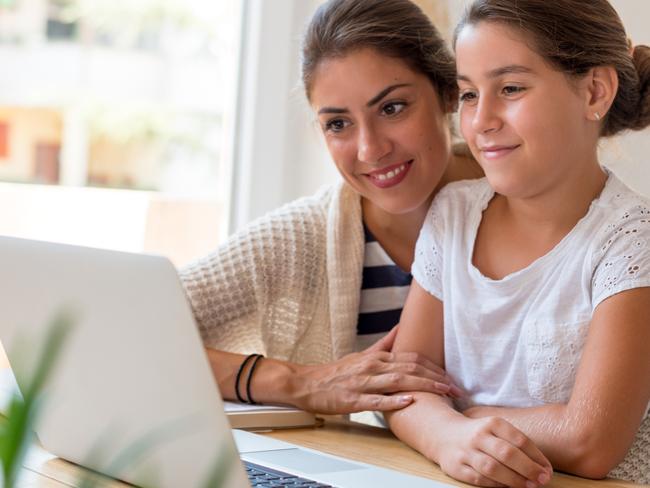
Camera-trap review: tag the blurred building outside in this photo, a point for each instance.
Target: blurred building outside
(115, 122)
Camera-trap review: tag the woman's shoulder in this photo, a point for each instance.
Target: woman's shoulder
(309, 210)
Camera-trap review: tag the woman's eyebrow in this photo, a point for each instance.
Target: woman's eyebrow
(385, 92)
(374, 100)
(497, 72)
(332, 110)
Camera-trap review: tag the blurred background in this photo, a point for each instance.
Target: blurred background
(163, 125)
(113, 121)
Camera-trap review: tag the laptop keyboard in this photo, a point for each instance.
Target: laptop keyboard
(262, 477)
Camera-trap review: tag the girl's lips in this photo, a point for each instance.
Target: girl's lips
(496, 152)
(390, 176)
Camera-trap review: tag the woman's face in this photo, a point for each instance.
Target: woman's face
(524, 121)
(384, 127)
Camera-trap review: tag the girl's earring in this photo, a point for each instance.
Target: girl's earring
(597, 115)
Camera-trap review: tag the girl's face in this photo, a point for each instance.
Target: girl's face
(525, 122)
(384, 127)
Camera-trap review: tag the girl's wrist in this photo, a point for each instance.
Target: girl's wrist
(448, 423)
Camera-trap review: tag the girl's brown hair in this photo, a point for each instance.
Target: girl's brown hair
(575, 36)
(396, 28)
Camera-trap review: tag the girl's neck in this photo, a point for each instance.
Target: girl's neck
(559, 208)
(515, 232)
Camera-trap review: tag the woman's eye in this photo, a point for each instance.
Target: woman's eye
(393, 108)
(335, 125)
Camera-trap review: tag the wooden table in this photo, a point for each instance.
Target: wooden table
(351, 440)
(347, 439)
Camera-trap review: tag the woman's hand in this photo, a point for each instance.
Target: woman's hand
(492, 452)
(374, 379)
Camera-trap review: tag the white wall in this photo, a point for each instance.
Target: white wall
(629, 155)
(279, 152)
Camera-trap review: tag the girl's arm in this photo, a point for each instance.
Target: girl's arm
(487, 452)
(592, 433)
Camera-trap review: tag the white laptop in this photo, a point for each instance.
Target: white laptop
(133, 395)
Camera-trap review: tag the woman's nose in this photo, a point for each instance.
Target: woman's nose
(372, 145)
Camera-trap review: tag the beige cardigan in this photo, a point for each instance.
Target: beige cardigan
(288, 285)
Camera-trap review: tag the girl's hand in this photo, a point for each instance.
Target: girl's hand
(374, 379)
(492, 452)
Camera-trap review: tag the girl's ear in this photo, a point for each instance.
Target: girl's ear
(602, 86)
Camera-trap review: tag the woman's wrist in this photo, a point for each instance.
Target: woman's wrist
(275, 382)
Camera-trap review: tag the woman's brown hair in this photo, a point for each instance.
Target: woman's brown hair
(575, 36)
(395, 28)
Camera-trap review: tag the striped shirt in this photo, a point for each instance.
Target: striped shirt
(383, 292)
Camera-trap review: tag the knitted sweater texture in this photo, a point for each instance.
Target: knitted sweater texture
(287, 285)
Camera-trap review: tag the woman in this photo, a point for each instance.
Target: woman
(294, 284)
(532, 285)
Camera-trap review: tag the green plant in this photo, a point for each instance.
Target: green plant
(16, 429)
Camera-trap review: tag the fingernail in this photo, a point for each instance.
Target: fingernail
(443, 386)
(543, 478)
(406, 398)
(530, 484)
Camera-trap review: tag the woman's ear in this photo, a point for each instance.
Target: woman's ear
(602, 86)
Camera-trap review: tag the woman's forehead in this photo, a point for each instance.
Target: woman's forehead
(361, 72)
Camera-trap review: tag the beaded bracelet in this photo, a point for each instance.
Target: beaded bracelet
(239, 373)
(248, 380)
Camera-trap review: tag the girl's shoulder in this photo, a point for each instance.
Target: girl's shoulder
(464, 194)
(457, 204)
(621, 209)
(620, 243)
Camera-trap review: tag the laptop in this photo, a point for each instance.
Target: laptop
(132, 395)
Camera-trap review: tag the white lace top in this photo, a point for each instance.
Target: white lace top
(517, 341)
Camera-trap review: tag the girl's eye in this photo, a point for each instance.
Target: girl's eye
(467, 97)
(513, 90)
(393, 108)
(336, 125)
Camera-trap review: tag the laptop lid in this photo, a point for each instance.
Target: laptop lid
(132, 395)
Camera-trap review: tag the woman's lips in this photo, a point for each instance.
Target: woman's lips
(496, 152)
(390, 175)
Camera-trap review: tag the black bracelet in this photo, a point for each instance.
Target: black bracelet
(238, 377)
(248, 381)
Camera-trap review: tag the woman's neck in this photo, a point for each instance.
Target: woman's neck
(396, 233)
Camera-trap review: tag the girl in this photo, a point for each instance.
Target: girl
(543, 266)
(306, 285)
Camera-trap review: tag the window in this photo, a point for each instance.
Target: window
(60, 26)
(120, 116)
(4, 140)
